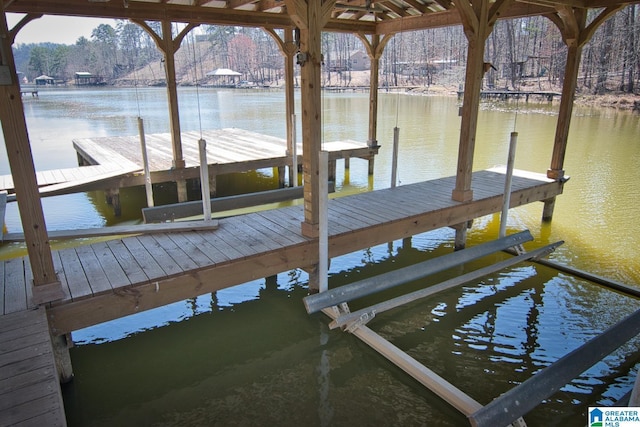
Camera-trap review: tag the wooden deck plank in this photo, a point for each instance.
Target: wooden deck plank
(57, 265)
(2, 287)
(158, 252)
(129, 265)
(15, 294)
(253, 242)
(93, 269)
(349, 217)
(198, 256)
(278, 228)
(214, 247)
(376, 211)
(254, 222)
(145, 260)
(228, 238)
(116, 275)
(182, 260)
(29, 389)
(74, 272)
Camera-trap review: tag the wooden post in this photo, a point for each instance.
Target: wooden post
(172, 96)
(374, 47)
(204, 180)
(394, 157)
(46, 286)
(477, 19)
(572, 25)
(506, 201)
(288, 48)
(112, 197)
(294, 153)
(169, 46)
(289, 51)
(145, 163)
(310, 16)
(323, 239)
(61, 344)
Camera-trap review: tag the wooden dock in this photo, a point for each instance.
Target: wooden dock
(116, 162)
(108, 280)
(229, 150)
(29, 388)
(504, 95)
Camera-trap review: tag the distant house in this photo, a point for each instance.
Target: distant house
(45, 80)
(359, 61)
(84, 78)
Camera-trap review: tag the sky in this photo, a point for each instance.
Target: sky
(55, 29)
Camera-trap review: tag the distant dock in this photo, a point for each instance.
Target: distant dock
(504, 95)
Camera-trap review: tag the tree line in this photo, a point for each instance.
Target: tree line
(523, 52)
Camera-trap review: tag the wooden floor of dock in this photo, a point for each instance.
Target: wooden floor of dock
(111, 279)
(29, 389)
(116, 162)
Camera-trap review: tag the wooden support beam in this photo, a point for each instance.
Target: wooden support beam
(175, 211)
(169, 45)
(310, 16)
(122, 230)
(477, 19)
(575, 33)
(374, 47)
(425, 376)
(288, 48)
(46, 285)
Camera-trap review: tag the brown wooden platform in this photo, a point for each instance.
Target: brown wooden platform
(29, 388)
(108, 280)
(229, 150)
(116, 162)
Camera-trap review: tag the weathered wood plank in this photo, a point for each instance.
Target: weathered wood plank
(177, 254)
(198, 256)
(144, 259)
(2, 287)
(110, 265)
(168, 265)
(120, 230)
(99, 280)
(57, 265)
(15, 294)
(76, 277)
(129, 265)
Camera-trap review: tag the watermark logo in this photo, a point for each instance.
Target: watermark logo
(614, 417)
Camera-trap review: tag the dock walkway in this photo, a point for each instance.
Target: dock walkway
(116, 162)
(108, 280)
(29, 388)
(229, 150)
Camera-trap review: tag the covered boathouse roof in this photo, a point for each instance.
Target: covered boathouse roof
(357, 16)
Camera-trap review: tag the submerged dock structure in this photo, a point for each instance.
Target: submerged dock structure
(89, 284)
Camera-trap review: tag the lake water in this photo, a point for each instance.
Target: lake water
(250, 355)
